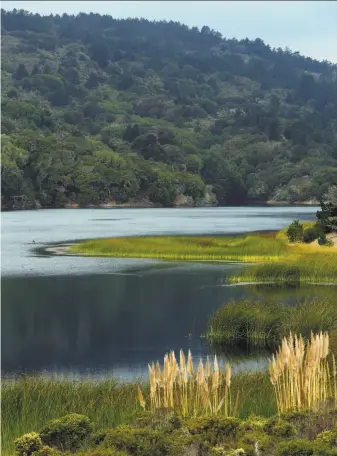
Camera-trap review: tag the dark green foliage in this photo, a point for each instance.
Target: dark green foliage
(254, 123)
(297, 447)
(323, 240)
(213, 430)
(279, 428)
(311, 234)
(327, 216)
(147, 442)
(295, 231)
(67, 432)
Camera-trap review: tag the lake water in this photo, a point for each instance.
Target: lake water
(106, 316)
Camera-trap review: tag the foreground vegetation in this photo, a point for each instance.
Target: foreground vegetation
(99, 110)
(186, 412)
(29, 402)
(294, 434)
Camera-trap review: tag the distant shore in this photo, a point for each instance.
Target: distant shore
(150, 205)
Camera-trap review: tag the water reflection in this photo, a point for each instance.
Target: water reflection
(107, 321)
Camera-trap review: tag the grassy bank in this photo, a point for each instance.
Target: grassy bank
(31, 401)
(266, 322)
(246, 248)
(277, 260)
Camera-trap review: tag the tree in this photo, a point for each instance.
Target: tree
(193, 163)
(327, 216)
(164, 190)
(20, 72)
(295, 231)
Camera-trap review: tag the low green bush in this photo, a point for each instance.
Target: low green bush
(279, 428)
(99, 452)
(46, 451)
(147, 442)
(67, 432)
(28, 444)
(213, 430)
(311, 234)
(328, 437)
(324, 241)
(296, 447)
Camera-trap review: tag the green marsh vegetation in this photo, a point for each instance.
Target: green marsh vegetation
(246, 248)
(276, 260)
(265, 322)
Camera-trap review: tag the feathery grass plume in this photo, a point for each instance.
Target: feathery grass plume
(300, 373)
(141, 398)
(186, 392)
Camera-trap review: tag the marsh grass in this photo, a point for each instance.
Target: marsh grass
(278, 261)
(28, 403)
(309, 267)
(301, 375)
(266, 322)
(246, 248)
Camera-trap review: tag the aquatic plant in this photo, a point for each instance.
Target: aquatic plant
(305, 267)
(301, 375)
(188, 392)
(266, 321)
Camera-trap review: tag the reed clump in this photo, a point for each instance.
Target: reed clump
(188, 392)
(265, 322)
(300, 373)
(300, 267)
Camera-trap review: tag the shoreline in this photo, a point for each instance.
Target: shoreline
(156, 206)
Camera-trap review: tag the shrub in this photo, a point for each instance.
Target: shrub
(146, 442)
(98, 436)
(328, 437)
(279, 428)
(213, 430)
(67, 432)
(28, 444)
(323, 240)
(295, 231)
(296, 447)
(46, 451)
(310, 234)
(102, 452)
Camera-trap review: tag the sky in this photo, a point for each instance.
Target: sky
(309, 27)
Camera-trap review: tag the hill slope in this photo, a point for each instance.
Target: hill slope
(96, 110)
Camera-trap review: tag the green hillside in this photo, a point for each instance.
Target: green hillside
(97, 110)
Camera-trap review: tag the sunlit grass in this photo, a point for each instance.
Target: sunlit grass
(247, 248)
(278, 261)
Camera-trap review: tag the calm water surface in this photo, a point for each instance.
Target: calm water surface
(107, 316)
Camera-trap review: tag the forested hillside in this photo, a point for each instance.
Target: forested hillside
(97, 110)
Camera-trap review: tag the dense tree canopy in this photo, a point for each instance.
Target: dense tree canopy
(96, 109)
